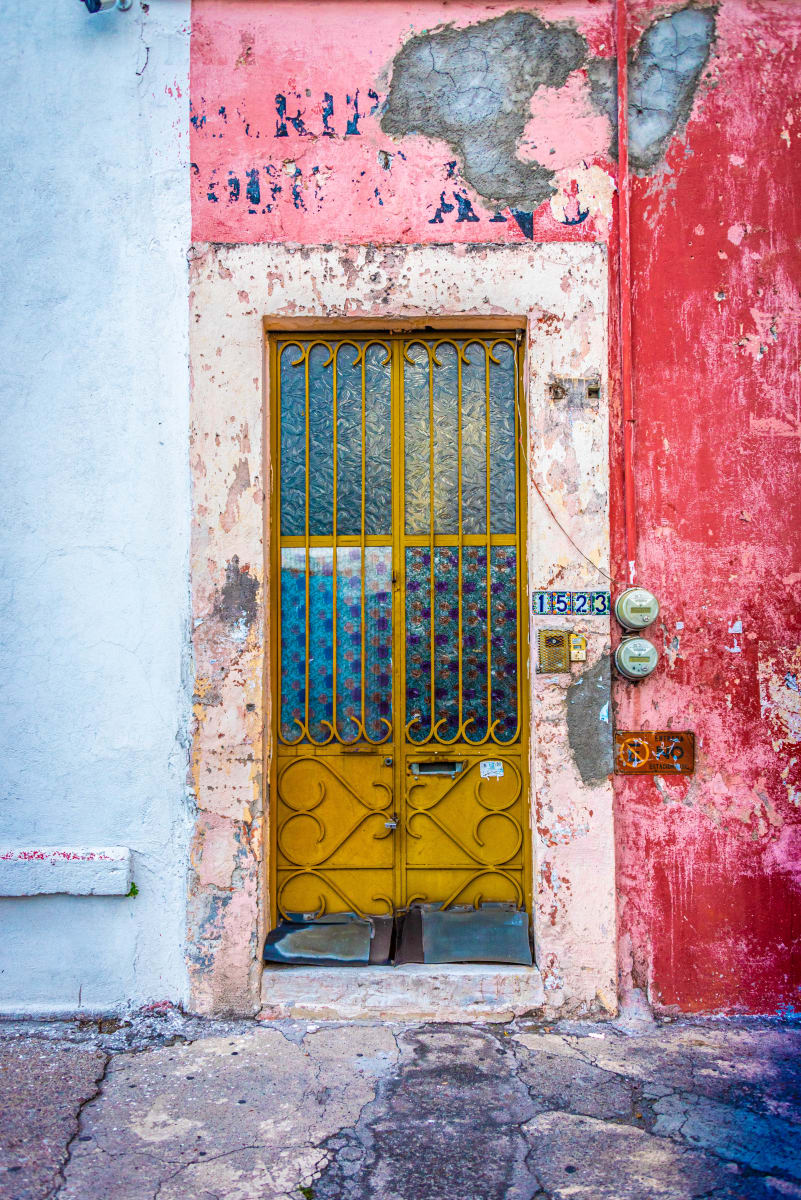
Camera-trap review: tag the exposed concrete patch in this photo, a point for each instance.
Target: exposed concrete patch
(471, 88)
(237, 602)
(664, 69)
(458, 992)
(589, 722)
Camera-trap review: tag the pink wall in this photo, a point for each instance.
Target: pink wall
(710, 867)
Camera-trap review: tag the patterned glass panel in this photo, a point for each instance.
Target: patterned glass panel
(361, 369)
(503, 642)
(440, 393)
(502, 440)
(321, 441)
(416, 438)
(377, 638)
(474, 439)
(378, 452)
(293, 440)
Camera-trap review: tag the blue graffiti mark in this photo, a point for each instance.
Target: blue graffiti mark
(444, 207)
(328, 112)
(352, 126)
(451, 170)
(583, 213)
(211, 190)
(791, 681)
(377, 195)
(297, 191)
(275, 188)
(280, 107)
(466, 212)
(498, 217)
(233, 188)
(223, 113)
(526, 222)
(376, 101)
(297, 123)
(197, 121)
(253, 191)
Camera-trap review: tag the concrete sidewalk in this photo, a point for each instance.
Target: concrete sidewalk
(164, 1107)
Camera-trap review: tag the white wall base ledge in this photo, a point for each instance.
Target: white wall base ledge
(65, 870)
(414, 992)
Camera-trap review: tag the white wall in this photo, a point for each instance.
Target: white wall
(94, 665)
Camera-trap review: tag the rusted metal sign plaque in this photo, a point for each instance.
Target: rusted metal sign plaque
(654, 752)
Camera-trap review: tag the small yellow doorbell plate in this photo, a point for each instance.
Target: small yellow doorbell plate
(554, 647)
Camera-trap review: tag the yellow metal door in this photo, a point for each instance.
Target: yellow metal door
(398, 535)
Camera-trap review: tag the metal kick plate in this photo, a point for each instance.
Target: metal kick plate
(654, 752)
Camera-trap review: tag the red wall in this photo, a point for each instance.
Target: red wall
(709, 868)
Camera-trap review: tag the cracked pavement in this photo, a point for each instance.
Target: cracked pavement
(162, 1106)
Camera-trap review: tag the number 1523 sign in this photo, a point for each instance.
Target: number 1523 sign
(574, 604)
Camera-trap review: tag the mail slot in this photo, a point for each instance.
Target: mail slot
(436, 766)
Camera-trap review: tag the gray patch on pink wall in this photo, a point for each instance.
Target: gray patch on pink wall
(237, 601)
(589, 722)
(472, 89)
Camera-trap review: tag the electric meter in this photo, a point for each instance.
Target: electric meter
(635, 608)
(636, 657)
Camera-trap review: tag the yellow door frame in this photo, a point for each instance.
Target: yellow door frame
(403, 752)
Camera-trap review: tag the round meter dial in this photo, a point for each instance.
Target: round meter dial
(635, 608)
(636, 657)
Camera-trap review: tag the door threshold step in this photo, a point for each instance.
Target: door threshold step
(412, 992)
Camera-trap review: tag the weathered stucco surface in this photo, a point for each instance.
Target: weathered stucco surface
(561, 292)
(94, 703)
(369, 148)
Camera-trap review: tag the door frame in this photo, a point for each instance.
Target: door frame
(395, 333)
(560, 292)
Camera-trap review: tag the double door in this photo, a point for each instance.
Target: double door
(398, 605)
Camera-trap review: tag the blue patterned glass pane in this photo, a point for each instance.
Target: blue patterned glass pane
(503, 642)
(503, 497)
(293, 441)
(503, 587)
(378, 643)
(371, 360)
(321, 441)
(293, 642)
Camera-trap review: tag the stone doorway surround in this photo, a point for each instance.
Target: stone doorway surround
(558, 292)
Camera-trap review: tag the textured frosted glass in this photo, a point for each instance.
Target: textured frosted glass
(321, 442)
(503, 642)
(503, 497)
(474, 440)
(377, 642)
(378, 443)
(416, 438)
(442, 394)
